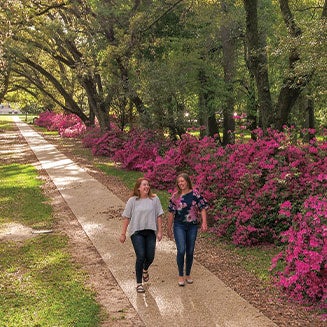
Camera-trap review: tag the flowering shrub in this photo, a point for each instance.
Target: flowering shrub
(72, 126)
(91, 136)
(139, 147)
(304, 276)
(184, 156)
(255, 179)
(104, 144)
(49, 120)
(66, 125)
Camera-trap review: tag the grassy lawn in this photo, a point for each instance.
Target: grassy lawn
(39, 285)
(20, 189)
(6, 123)
(257, 259)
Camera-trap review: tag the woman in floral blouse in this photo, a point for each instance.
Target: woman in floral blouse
(187, 211)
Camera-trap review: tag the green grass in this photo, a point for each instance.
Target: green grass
(257, 259)
(6, 123)
(43, 130)
(39, 285)
(25, 118)
(21, 198)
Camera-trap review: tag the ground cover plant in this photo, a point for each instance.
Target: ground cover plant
(39, 284)
(269, 190)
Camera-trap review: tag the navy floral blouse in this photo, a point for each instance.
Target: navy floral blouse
(186, 208)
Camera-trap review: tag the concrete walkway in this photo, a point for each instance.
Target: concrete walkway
(207, 302)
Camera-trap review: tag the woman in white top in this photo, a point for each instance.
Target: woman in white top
(143, 218)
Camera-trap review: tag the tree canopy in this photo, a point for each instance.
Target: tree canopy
(168, 65)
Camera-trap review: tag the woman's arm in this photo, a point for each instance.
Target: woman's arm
(122, 237)
(159, 226)
(204, 224)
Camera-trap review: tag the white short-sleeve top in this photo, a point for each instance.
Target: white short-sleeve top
(143, 213)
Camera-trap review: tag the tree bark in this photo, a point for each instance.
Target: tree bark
(257, 62)
(72, 107)
(96, 103)
(206, 114)
(229, 59)
(293, 84)
(5, 84)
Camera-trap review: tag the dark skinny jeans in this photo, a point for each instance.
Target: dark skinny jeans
(144, 243)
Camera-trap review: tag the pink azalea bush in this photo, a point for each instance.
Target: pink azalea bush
(184, 156)
(104, 144)
(67, 125)
(304, 276)
(250, 181)
(246, 182)
(139, 147)
(271, 190)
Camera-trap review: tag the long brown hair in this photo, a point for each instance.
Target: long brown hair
(138, 182)
(187, 179)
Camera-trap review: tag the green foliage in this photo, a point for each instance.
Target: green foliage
(141, 60)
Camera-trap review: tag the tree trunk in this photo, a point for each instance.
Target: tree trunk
(207, 113)
(307, 105)
(252, 109)
(4, 83)
(202, 113)
(130, 92)
(213, 128)
(229, 58)
(257, 62)
(311, 113)
(175, 123)
(293, 84)
(97, 105)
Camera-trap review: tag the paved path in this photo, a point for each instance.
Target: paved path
(207, 302)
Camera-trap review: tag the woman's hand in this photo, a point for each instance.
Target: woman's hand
(159, 236)
(204, 226)
(122, 238)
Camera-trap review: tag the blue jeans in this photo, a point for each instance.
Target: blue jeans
(185, 235)
(144, 243)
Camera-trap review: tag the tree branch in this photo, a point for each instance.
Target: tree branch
(163, 15)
